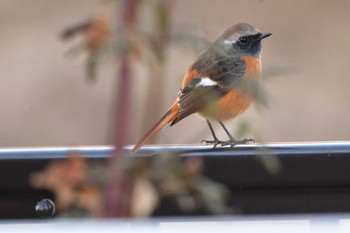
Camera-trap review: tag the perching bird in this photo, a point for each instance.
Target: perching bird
(220, 84)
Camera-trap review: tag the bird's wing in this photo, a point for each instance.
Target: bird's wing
(202, 90)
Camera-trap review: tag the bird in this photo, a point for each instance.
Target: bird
(220, 84)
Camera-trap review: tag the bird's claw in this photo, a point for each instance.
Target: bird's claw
(245, 141)
(231, 142)
(234, 142)
(211, 142)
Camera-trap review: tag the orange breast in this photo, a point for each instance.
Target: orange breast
(237, 100)
(228, 107)
(253, 67)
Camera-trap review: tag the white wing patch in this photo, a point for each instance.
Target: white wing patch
(206, 82)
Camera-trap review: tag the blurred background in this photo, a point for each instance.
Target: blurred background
(46, 99)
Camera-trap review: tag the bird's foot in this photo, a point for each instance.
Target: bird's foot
(214, 142)
(231, 142)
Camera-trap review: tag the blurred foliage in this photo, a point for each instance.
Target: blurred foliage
(164, 185)
(73, 186)
(97, 35)
(101, 40)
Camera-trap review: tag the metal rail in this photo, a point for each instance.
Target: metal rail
(192, 150)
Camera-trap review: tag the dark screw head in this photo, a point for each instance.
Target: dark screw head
(45, 208)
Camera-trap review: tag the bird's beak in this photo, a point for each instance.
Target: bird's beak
(264, 35)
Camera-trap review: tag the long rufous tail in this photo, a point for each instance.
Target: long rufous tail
(169, 116)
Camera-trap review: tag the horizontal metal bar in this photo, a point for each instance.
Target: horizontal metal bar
(314, 148)
(53, 152)
(275, 165)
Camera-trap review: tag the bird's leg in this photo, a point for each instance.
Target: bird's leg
(216, 141)
(233, 141)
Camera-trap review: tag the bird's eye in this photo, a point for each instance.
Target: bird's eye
(244, 40)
